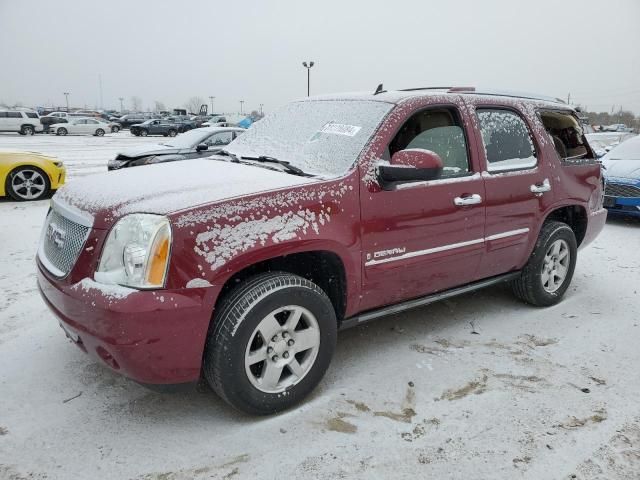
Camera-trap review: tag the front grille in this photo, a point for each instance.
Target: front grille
(62, 241)
(621, 190)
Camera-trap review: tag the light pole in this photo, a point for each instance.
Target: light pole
(241, 102)
(121, 105)
(308, 67)
(261, 105)
(212, 98)
(66, 97)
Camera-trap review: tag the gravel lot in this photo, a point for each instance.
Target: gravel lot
(480, 386)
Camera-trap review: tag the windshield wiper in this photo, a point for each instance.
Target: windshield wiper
(287, 166)
(226, 153)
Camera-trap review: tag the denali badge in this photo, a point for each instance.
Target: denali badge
(56, 235)
(390, 252)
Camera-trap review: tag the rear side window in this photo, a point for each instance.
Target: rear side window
(32, 115)
(566, 133)
(14, 115)
(217, 139)
(3, 114)
(440, 131)
(507, 140)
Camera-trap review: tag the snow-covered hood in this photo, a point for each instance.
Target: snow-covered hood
(622, 168)
(144, 150)
(168, 187)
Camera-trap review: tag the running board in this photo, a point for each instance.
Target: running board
(426, 300)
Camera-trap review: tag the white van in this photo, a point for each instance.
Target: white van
(25, 123)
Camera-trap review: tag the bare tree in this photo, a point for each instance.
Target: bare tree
(193, 104)
(136, 103)
(160, 107)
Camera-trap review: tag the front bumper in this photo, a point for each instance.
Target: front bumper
(152, 337)
(57, 176)
(623, 206)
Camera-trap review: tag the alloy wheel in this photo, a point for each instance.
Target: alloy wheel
(555, 265)
(28, 184)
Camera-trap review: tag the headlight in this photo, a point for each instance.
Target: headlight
(136, 253)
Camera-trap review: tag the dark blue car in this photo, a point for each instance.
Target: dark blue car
(622, 177)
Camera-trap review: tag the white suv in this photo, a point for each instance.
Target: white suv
(25, 123)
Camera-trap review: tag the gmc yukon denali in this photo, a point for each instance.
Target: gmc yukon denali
(331, 212)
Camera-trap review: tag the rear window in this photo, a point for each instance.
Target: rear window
(32, 115)
(567, 134)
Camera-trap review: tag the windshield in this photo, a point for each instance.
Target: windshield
(189, 139)
(318, 136)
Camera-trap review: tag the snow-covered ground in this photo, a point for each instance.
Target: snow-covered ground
(480, 386)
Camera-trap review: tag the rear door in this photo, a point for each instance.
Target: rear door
(518, 186)
(423, 237)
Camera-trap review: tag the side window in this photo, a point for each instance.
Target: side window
(91, 122)
(507, 141)
(222, 138)
(32, 115)
(14, 115)
(440, 131)
(566, 133)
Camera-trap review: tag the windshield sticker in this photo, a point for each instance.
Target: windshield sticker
(340, 129)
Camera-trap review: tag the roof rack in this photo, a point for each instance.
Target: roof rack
(490, 92)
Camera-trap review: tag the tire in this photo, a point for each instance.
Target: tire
(237, 328)
(99, 132)
(115, 129)
(38, 187)
(61, 131)
(548, 273)
(172, 133)
(143, 133)
(27, 130)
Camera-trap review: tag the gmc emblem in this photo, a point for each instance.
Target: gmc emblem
(56, 235)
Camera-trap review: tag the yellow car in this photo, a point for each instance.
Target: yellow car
(29, 175)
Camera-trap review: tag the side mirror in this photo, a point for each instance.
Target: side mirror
(201, 147)
(410, 165)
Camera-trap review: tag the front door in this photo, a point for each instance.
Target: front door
(422, 237)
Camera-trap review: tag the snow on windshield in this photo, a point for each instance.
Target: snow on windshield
(318, 136)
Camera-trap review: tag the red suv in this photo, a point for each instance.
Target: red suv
(240, 268)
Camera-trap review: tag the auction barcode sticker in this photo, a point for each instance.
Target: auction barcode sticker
(340, 129)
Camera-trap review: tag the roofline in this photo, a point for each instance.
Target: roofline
(491, 92)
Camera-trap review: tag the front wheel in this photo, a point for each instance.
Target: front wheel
(27, 130)
(115, 129)
(172, 133)
(548, 273)
(271, 343)
(61, 131)
(27, 183)
(143, 133)
(99, 132)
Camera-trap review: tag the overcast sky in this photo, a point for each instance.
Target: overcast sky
(252, 50)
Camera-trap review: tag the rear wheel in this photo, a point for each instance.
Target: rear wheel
(115, 129)
(27, 130)
(271, 343)
(548, 273)
(27, 183)
(172, 133)
(99, 132)
(143, 133)
(61, 131)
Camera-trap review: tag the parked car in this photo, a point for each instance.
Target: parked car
(22, 122)
(134, 118)
(82, 126)
(622, 177)
(327, 214)
(201, 142)
(155, 127)
(182, 122)
(618, 127)
(217, 121)
(29, 175)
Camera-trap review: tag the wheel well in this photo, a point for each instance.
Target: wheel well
(575, 216)
(323, 268)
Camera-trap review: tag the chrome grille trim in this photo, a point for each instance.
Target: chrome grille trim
(621, 190)
(61, 242)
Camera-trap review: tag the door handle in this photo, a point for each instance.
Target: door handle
(474, 199)
(539, 188)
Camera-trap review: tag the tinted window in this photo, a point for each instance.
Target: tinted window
(32, 115)
(14, 115)
(91, 122)
(507, 141)
(439, 131)
(217, 139)
(3, 114)
(566, 133)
